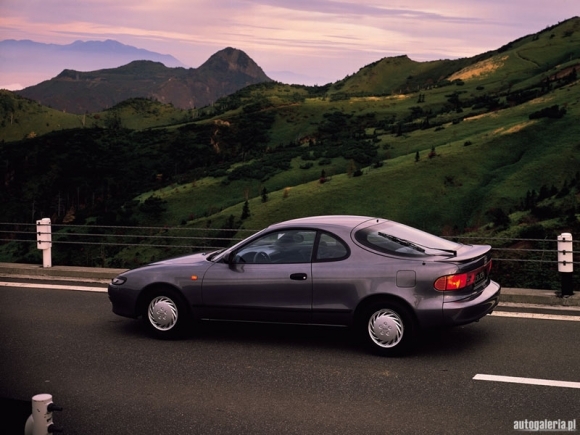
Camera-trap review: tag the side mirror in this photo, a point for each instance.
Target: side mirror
(230, 258)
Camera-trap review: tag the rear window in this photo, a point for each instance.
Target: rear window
(399, 239)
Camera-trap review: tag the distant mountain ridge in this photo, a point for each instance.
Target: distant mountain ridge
(24, 62)
(222, 74)
(230, 69)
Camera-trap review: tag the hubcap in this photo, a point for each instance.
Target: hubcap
(162, 313)
(386, 328)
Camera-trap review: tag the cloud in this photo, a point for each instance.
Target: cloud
(12, 87)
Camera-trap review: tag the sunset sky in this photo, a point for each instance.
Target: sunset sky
(322, 39)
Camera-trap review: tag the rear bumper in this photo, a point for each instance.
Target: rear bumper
(472, 309)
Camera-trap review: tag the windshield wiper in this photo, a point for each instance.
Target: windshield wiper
(402, 242)
(415, 246)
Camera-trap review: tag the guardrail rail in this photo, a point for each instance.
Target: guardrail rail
(536, 262)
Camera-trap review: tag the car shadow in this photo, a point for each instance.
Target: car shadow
(431, 342)
(456, 340)
(319, 337)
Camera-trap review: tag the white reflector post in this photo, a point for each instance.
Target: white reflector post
(566, 262)
(40, 420)
(44, 240)
(565, 253)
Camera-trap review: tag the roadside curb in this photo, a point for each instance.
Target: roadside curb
(538, 297)
(71, 273)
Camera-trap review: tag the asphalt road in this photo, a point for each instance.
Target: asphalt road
(111, 378)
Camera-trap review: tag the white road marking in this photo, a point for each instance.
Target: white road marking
(516, 305)
(535, 316)
(54, 286)
(529, 381)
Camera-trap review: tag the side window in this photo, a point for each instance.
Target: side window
(290, 246)
(330, 248)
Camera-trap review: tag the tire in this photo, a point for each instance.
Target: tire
(387, 328)
(166, 314)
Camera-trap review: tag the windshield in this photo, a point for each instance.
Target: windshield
(399, 239)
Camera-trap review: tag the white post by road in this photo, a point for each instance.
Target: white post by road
(566, 263)
(44, 241)
(40, 421)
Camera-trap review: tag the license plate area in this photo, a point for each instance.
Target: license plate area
(481, 275)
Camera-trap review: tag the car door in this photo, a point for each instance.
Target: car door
(268, 279)
(336, 282)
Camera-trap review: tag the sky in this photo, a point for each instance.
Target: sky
(317, 41)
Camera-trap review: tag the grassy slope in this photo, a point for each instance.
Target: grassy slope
(509, 155)
(20, 117)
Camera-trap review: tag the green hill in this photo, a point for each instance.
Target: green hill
(21, 118)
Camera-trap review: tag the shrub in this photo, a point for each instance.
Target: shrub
(548, 112)
(498, 217)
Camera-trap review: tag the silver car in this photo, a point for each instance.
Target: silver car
(385, 279)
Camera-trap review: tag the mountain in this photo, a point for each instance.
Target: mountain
(79, 92)
(25, 63)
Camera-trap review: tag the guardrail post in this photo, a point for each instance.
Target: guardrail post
(566, 263)
(44, 241)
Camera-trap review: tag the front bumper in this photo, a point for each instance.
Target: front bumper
(472, 309)
(124, 301)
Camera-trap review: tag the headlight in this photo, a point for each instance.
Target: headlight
(120, 280)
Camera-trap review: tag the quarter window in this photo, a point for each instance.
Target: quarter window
(330, 248)
(399, 239)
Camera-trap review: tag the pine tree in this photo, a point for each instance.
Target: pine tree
(245, 211)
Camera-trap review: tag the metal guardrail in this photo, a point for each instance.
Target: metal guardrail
(191, 239)
(124, 236)
(552, 251)
(519, 262)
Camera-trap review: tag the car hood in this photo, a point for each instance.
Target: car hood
(187, 259)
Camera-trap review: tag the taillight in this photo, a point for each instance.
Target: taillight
(451, 282)
(462, 280)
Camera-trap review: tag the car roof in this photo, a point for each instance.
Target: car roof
(345, 221)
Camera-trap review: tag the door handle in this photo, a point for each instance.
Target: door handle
(299, 276)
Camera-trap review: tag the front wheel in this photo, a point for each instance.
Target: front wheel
(387, 328)
(166, 314)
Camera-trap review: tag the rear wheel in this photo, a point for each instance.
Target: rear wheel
(387, 328)
(166, 314)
